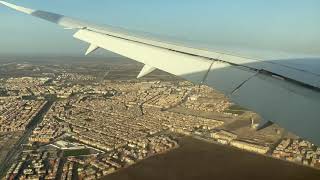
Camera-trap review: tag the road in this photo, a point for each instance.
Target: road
(11, 156)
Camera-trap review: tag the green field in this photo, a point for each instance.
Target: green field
(78, 152)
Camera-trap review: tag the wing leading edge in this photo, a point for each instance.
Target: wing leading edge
(287, 96)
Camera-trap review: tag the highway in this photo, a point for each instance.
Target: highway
(11, 156)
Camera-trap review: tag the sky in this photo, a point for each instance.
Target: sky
(289, 26)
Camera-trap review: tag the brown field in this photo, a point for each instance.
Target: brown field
(200, 160)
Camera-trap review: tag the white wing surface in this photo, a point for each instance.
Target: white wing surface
(286, 92)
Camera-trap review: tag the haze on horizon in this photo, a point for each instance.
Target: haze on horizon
(289, 26)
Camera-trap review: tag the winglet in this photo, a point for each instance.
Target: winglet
(18, 8)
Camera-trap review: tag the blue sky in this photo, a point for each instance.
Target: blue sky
(275, 25)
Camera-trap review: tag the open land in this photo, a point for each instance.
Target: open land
(196, 159)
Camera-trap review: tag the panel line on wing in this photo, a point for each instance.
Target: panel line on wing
(240, 85)
(206, 75)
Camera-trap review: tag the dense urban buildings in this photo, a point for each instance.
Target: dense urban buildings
(70, 124)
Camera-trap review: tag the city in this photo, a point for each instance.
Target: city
(89, 121)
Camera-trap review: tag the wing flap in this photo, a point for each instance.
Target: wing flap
(192, 68)
(226, 77)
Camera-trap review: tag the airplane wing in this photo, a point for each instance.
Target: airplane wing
(286, 92)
